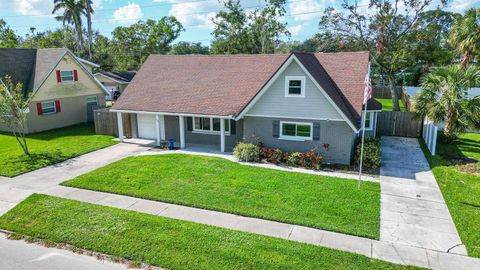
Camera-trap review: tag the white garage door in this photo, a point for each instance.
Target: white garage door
(146, 126)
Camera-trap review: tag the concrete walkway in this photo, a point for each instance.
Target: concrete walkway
(413, 211)
(392, 252)
(16, 189)
(203, 151)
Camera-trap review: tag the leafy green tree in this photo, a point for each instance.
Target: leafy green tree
(382, 33)
(130, 46)
(240, 31)
(184, 47)
(72, 12)
(426, 45)
(230, 35)
(8, 38)
(444, 97)
(63, 37)
(14, 110)
(326, 42)
(102, 52)
(465, 36)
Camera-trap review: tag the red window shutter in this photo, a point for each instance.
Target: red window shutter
(57, 106)
(75, 75)
(59, 76)
(39, 108)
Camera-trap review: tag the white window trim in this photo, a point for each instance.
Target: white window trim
(372, 119)
(211, 132)
(54, 107)
(295, 138)
(302, 86)
(73, 76)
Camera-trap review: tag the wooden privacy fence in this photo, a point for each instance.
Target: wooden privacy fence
(106, 123)
(401, 124)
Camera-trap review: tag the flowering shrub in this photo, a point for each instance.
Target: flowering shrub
(274, 156)
(250, 152)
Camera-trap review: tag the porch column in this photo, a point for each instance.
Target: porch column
(162, 127)
(222, 135)
(157, 125)
(181, 122)
(120, 126)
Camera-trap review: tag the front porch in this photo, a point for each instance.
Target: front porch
(204, 133)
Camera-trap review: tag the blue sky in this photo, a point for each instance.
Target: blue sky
(302, 15)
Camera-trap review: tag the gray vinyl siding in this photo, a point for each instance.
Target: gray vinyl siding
(313, 105)
(172, 131)
(338, 134)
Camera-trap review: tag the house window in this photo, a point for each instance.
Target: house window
(296, 131)
(92, 100)
(48, 107)
(209, 124)
(66, 75)
(369, 116)
(295, 86)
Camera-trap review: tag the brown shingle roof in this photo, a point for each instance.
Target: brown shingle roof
(224, 85)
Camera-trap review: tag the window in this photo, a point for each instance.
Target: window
(66, 75)
(92, 100)
(210, 125)
(48, 107)
(369, 116)
(296, 131)
(295, 86)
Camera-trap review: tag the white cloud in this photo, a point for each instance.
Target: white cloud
(128, 14)
(295, 30)
(306, 10)
(32, 7)
(195, 14)
(461, 6)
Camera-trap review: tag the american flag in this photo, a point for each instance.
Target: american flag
(368, 89)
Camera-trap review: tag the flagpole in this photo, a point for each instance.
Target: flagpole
(364, 118)
(363, 140)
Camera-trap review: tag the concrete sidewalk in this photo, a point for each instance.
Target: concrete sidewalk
(413, 211)
(392, 252)
(20, 255)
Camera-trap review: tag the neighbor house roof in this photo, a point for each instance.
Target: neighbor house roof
(225, 84)
(31, 66)
(19, 64)
(119, 76)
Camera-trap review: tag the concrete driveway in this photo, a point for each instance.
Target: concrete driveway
(413, 211)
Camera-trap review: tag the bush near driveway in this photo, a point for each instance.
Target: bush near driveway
(170, 243)
(460, 188)
(371, 153)
(49, 147)
(218, 184)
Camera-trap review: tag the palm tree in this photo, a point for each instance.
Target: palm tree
(444, 97)
(72, 14)
(88, 5)
(465, 35)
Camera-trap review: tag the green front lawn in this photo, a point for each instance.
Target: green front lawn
(460, 185)
(387, 104)
(218, 184)
(169, 243)
(48, 148)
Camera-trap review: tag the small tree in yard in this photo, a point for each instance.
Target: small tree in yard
(14, 110)
(444, 97)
